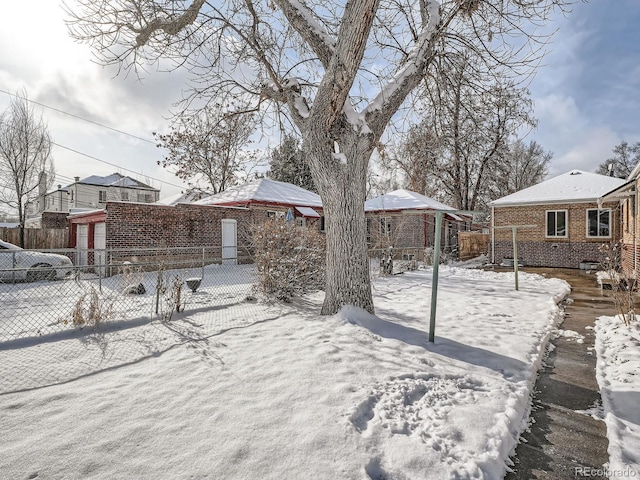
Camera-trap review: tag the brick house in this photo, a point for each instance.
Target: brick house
(406, 220)
(626, 197)
(273, 199)
(569, 221)
(220, 222)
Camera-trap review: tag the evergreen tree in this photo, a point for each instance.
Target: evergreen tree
(287, 164)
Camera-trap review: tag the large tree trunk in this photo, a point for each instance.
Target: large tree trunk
(342, 187)
(348, 280)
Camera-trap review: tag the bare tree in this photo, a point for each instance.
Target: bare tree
(625, 158)
(339, 73)
(523, 166)
(26, 164)
(207, 148)
(470, 116)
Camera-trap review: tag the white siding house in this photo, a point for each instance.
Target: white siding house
(93, 192)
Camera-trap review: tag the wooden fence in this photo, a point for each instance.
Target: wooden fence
(472, 244)
(37, 238)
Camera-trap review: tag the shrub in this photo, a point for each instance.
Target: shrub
(623, 287)
(289, 260)
(91, 309)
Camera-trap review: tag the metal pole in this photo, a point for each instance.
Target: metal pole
(434, 283)
(515, 254)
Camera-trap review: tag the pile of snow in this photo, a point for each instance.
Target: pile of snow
(618, 350)
(295, 395)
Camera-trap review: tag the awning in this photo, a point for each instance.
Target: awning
(626, 190)
(308, 212)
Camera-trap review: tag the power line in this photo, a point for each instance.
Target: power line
(80, 118)
(115, 165)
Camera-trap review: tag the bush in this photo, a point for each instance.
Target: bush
(91, 309)
(289, 260)
(623, 287)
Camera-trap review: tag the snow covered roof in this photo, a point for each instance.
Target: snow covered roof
(404, 200)
(575, 186)
(264, 190)
(115, 180)
(308, 212)
(181, 198)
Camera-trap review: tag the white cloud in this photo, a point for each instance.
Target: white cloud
(37, 54)
(590, 148)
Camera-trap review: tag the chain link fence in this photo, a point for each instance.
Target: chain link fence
(112, 308)
(39, 297)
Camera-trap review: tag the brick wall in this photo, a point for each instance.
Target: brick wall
(132, 225)
(409, 231)
(542, 254)
(630, 234)
(535, 249)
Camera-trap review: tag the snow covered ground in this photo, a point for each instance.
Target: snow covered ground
(288, 394)
(618, 350)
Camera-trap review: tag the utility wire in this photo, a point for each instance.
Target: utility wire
(114, 165)
(79, 118)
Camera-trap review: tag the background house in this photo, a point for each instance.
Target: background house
(272, 198)
(570, 223)
(94, 192)
(405, 220)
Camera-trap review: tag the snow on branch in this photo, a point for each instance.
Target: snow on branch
(415, 61)
(170, 26)
(309, 28)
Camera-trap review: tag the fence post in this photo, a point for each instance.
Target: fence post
(158, 287)
(100, 267)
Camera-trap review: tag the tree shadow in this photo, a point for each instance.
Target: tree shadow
(507, 366)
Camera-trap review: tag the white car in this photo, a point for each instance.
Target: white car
(17, 264)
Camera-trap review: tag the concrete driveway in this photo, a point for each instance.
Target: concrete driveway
(563, 438)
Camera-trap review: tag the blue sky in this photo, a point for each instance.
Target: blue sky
(586, 93)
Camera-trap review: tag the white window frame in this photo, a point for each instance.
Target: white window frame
(566, 223)
(301, 222)
(102, 196)
(599, 210)
(386, 225)
(274, 214)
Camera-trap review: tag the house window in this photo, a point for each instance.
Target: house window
(124, 196)
(322, 224)
(556, 223)
(385, 225)
(145, 198)
(102, 196)
(274, 214)
(599, 223)
(300, 222)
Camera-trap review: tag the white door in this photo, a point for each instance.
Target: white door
(100, 244)
(229, 241)
(82, 244)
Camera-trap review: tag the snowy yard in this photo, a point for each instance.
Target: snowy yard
(618, 350)
(289, 395)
